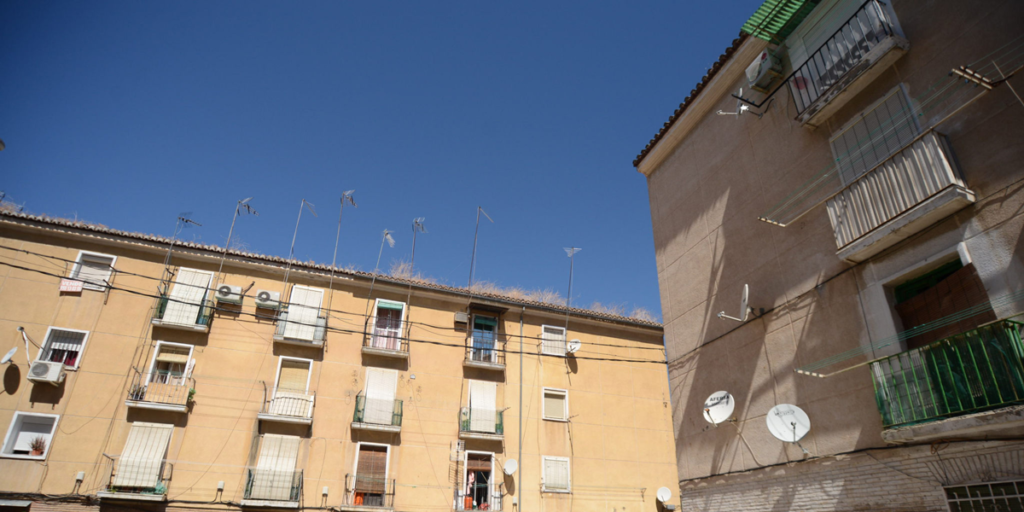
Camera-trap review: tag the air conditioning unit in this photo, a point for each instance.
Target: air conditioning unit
(267, 299)
(229, 294)
(763, 71)
(46, 371)
(461, 317)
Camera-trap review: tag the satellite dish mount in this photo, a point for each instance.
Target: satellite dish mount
(745, 308)
(741, 108)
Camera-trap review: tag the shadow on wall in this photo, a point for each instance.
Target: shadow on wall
(12, 379)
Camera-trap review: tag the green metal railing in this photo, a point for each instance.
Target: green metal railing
(359, 416)
(972, 371)
(202, 318)
(466, 420)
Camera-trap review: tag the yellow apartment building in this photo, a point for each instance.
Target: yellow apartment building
(148, 379)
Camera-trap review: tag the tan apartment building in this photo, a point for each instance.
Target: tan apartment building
(856, 167)
(154, 380)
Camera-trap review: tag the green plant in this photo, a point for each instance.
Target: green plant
(38, 445)
(191, 394)
(160, 489)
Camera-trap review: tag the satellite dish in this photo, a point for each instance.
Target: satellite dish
(788, 423)
(511, 466)
(574, 346)
(718, 407)
(664, 494)
(7, 357)
(744, 306)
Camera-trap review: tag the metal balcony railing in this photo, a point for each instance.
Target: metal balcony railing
(202, 317)
(974, 371)
(387, 338)
(484, 349)
(145, 478)
(472, 500)
(369, 491)
(161, 387)
(273, 484)
(377, 411)
(840, 54)
(479, 420)
(286, 403)
(318, 334)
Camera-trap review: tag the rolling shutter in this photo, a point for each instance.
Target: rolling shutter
(275, 470)
(186, 297)
(482, 410)
(291, 397)
(142, 460)
(303, 310)
(94, 271)
(173, 355)
(294, 375)
(554, 405)
(371, 472)
(381, 386)
(67, 341)
(556, 474)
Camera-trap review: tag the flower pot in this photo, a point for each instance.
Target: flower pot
(36, 453)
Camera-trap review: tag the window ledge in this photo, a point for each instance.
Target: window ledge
(481, 436)
(981, 425)
(386, 352)
(158, 406)
(298, 343)
(107, 495)
(359, 425)
(181, 327)
(554, 491)
(483, 364)
(22, 457)
(559, 420)
(270, 504)
(284, 419)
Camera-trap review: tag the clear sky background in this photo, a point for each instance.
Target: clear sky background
(129, 113)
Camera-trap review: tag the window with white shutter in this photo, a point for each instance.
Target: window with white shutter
(274, 477)
(556, 475)
(141, 463)
(556, 404)
(186, 296)
(291, 394)
(93, 269)
(27, 434)
(553, 340)
(64, 346)
(303, 312)
(483, 411)
(381, 386)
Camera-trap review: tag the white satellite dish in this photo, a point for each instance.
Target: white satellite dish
(664, 494)
(788, 423)
(574, 346)
(744, 307)
(511, 466)
(7, 357)
(718, 407)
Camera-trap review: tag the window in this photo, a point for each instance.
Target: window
(303, 313)
(186, 297)
(380, 391)
(371, 481)
(556, 404)
(552, 340)
(64, 346)
(874, 135)
(991, 496)
(142, 460)
(479, 490)
(485, 331)
(274, 477)
(29, 435)
(291, 397)
(171, 363)
(556, 475)
(387, 324)
(93, 269)
(483, 412)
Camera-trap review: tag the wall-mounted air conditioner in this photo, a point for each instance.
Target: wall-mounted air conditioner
(765, 69)
(46, 371)
(229, 294)
(461, 317)
(267, 299)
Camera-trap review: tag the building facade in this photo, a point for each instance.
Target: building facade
(194, 379)
(851, 171)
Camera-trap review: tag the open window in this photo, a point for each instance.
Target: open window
(553, 340)
(64, 346)
(29, 435)
(93, 269)
(485, 336)
(480, 489)
(555, 477)
(556, 404)
(171, 364)
(371, 476)
(388, 319)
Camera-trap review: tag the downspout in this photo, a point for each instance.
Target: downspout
(519, 488)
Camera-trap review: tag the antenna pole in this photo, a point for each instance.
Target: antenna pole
(568, 300)
(472, 260)
(291, 252)
(334, 260)
(227, 245)
(174, 238)
(369, 296)
(412, 262)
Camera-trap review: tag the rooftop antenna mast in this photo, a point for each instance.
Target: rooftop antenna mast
(242, 206)
(183, 222)
(571, 252)
(291, 252)
(476, 234)
(345, 197)
(417, 227)
(385, 237)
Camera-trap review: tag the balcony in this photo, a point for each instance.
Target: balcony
(482, 497)
(287, 406)
(270, 488)
(481, 424)
(484, 352)
(161, 390)
(137, 479)
(303, 334)
(386, 342)
(368, 493)
(975, 371)
(183, 316)
(859, 51)
(377, 414)
(905, 193)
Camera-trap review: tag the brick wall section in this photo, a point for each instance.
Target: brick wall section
(899, 479)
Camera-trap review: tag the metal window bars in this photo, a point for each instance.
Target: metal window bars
(273, 484)
(319, 331)
(369, 491)
(385, 333)
(161, 386)
(973, 371)
(483, 347)
(138, 476)
(470, 500)
(375, 410)
(287, 403)
(467, 423)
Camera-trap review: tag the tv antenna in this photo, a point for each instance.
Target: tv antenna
(385, 237)
(789, 424)
(745, 308)
(571, 252)
(476, 234)
(417, 227)
(718, 408)
(741, 108)
(291, 252)
(346, 197)
(243, 206)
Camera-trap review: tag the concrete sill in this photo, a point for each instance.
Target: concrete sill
(270, 504)
(295, 420)
(128, 496)
(156, 406)
(469, 363)
(364, 508)
(481, 436)
(182, 327)
(375, 427)
(979, 425)
(385, 352)
(298, 343)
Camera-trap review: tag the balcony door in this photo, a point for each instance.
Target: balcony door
(387, 324)
(303, 311)
(186, 297)
(142, 461)
(371, 475)
(291, 394)
(274, 475)
(940, 294)
(482, 409)
(485, 331)
(478, 479)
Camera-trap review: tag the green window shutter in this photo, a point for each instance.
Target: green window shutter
(485, 320)
(387, 304)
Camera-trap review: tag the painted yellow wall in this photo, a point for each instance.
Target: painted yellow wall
(619, 436)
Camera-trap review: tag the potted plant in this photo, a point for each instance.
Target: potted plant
(38, 446)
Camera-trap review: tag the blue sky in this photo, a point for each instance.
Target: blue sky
(129, 113)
